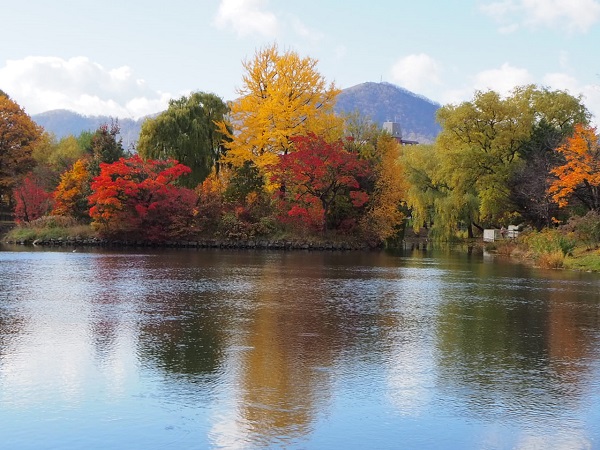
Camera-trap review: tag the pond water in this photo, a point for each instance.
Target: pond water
(240, 349)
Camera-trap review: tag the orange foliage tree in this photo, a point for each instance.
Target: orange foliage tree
(72, 192)
(137, 199)
(579, 177)
(19, 135)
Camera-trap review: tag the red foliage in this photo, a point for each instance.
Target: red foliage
(31, 200)
(132, 198)
(315, 176)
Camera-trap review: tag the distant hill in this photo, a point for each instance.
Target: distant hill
(380, 102)
(383, 102)
(62, 123)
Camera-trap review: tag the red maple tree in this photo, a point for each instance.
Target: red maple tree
(317, 175)
(133, 198)
(31, 200)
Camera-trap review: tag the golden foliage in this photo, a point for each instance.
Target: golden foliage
(19, 136)
(71, 194)
(384, 217)
(283, 96)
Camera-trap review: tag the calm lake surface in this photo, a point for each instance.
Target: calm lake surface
(206, 349)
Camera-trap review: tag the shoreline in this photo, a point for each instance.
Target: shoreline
(259, 244)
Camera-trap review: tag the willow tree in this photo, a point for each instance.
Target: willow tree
(432, 201)
(283, 96)
(187, 131)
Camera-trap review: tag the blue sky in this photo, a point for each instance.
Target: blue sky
(128, 58)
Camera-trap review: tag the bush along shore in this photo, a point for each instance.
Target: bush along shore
(574, 246)
(58, 231)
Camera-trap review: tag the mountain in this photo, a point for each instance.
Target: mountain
(381, 102)
(62, 122)
(385, 102)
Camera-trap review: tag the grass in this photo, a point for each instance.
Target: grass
(584, 259)
(50, 227)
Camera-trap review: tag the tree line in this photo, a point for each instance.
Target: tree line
(278, 161)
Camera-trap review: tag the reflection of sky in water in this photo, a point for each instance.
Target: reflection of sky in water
(250, 350)
(57, 354)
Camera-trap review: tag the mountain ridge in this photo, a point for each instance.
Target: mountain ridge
(380, 102)
(386, 102)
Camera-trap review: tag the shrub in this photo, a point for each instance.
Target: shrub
(549, 241)
(552, 260)
(585, 228)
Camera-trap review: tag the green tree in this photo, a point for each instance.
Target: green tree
(19, 136)
(84, 140)
(187, 132)
(485, 141)
(361, 134)
(555, 115)
(530, 181)
(106, 147)
(429, 196)
(53, 158)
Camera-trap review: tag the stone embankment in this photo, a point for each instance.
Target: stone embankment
(207, 243)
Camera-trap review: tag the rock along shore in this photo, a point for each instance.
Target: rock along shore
(205, 243)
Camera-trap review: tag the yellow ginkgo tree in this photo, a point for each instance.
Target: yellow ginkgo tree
(282, 96)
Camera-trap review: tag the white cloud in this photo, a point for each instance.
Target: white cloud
(304, 32)
(44, 83)
(247, 17)
(560, 81)
(416, 72)
(590, 93)
(502, 80)
(573, 15)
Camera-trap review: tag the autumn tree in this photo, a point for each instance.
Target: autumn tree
(211, 203)
(19, 135)
(386, 210)
(578, 179)
(282, 96)
(316, 176)
(137, 199)
(31, 199)
(187, 131)
(71, 194)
